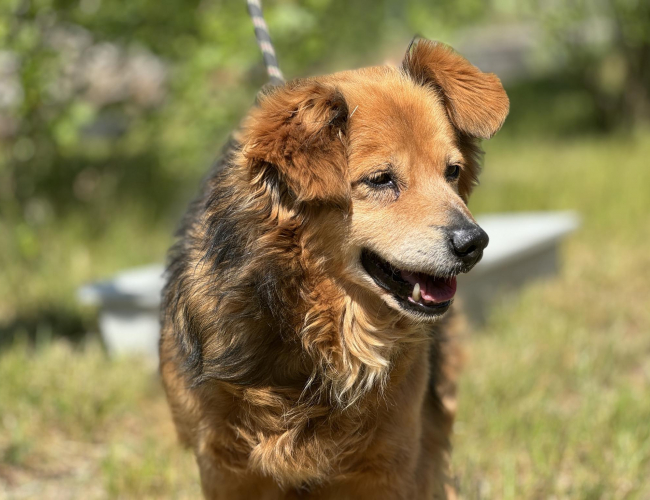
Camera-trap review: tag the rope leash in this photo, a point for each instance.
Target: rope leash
(264, 41)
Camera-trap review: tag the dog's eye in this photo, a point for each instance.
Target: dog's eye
(380, 180)
(453, 172)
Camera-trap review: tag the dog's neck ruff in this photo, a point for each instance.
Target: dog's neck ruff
(353, 348)
(351, 341)
(259, 308)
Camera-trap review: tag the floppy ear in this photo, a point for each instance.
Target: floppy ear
(300, 128)
(475, 101)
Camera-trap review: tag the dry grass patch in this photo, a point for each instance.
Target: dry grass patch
(74, 424)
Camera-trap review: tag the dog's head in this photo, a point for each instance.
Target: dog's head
(387, 157)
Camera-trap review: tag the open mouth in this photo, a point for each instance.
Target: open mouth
(416, 292)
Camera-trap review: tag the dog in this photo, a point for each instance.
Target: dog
(305, 347)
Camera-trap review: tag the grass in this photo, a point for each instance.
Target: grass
(554, 397)
(553, 400)
(74, 424)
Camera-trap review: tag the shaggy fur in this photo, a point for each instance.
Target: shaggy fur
(288, 371)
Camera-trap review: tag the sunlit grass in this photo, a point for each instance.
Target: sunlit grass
(74, 424)
(553, 400)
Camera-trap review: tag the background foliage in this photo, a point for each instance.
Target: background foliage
(85, 143)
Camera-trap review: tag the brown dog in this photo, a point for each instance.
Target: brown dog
(303, 351)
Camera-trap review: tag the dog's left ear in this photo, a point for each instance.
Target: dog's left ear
(300, 129)
(475, 101)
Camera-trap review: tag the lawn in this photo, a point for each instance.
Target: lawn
(554, 397)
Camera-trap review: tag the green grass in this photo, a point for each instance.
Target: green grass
(554, 396)
(74, 424)
(43, 263)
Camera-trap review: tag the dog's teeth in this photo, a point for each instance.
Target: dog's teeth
(416, 293)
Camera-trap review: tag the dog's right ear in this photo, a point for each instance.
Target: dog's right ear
(300, 129)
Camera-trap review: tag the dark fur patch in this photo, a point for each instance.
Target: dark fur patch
(222, 228)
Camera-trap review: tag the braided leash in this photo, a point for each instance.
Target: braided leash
(264, 41)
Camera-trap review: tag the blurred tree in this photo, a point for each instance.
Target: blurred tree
(79, 127)
(102, 101)
(606, 45)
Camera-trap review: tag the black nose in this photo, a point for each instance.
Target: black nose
(468, 243)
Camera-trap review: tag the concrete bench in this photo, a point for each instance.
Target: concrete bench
(523, 247)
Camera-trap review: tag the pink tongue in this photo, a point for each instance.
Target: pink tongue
(432, 289)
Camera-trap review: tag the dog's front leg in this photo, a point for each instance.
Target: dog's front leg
(375, 487)
(219, 484)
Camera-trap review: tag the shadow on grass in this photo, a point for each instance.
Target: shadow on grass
(42, 325)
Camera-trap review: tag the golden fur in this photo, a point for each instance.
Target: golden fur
(288, 371)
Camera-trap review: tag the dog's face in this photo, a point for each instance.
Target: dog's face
(410, 227)
(395, 152)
